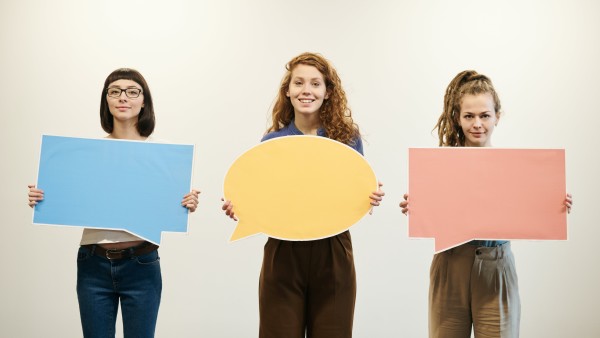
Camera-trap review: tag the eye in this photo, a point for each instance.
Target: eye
(316, 84)
(113, 92)
(132, 92)
(298, 83)
(485, 116)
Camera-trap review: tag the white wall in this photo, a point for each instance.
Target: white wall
(214, 68)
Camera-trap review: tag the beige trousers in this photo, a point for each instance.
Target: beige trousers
(474, 287)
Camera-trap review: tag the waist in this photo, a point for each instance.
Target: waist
(112, 254)
(487, 243)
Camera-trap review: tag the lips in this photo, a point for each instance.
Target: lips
(306, 100)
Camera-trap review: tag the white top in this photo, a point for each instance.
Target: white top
(102, 236)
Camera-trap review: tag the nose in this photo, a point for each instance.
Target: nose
(477, 123)
(306, 88)
(123, 96)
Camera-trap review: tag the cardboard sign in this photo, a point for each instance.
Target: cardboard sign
(299, 188)
(457, 194)
(114, 184)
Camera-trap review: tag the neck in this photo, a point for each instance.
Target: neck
(126, 131)
(307, 124)
(469, 144)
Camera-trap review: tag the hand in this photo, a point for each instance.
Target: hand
(404, 205)
(35, 195)
(190, 200)
(228, 207)
(569, 203)
(376, 197)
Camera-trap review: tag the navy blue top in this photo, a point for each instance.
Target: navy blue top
(291, 129)
(487, 243)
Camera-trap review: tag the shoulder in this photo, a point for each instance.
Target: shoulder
(272, 135)
(357, 144)
(285, 131)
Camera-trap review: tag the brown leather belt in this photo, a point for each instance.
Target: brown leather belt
(139, 250)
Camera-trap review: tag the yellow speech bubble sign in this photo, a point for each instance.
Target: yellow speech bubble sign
(299, 188)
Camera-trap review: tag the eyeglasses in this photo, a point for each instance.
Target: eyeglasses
(131, 93)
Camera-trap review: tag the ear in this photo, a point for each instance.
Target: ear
(326, 95)
(287, 93)
(497, 119)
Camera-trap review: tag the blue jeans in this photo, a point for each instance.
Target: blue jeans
(135, 281)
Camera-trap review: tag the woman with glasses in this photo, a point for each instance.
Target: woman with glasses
(133, 276)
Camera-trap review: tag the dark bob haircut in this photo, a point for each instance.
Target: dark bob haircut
(146, 121)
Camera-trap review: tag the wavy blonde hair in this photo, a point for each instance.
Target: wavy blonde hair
(335, 115)
(467, 82)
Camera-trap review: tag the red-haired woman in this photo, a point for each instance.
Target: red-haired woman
(309, 288)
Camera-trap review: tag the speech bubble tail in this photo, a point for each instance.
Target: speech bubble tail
(150, 236)
(242, 231)
(445, 243)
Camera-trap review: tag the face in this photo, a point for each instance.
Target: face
(478, 119)
(307, 90)
(124, 108)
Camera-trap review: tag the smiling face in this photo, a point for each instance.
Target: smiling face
(307, 90)
(124, 108)
(478, 118)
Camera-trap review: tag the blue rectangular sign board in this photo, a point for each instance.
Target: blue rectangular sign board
(126, 185)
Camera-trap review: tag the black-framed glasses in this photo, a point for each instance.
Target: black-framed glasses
(131, 93)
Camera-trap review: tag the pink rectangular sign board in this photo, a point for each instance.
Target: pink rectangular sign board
(460, 194)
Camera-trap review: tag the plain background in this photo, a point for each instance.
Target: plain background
(214, 68)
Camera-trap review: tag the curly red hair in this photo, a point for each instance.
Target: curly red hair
(335, 115)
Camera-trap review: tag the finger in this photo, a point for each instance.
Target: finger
(190, 194)
(226, 205)
(379, 193)
(376, 197)
(190, 199)
(406, 197)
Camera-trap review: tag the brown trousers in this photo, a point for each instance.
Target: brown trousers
(307, 288)
(474, 286)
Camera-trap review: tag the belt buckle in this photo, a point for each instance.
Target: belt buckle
(114, 254)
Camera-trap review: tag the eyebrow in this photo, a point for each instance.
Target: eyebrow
(483, 112)
(128, 87)
(311, 79)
